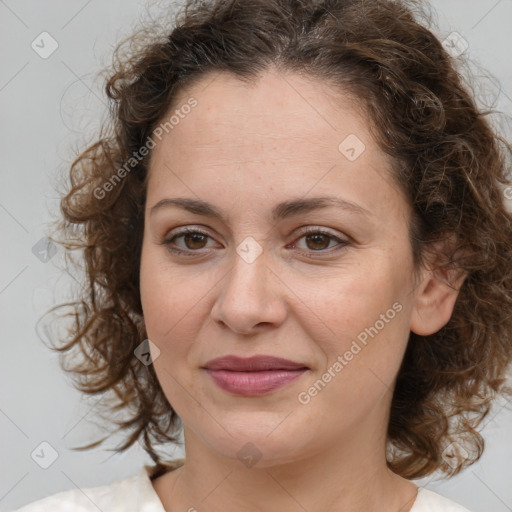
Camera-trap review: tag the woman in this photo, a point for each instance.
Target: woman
(297, 250)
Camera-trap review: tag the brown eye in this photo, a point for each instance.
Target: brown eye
(193, 241)
(318, 241)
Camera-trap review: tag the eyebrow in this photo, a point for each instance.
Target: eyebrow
(279, 212)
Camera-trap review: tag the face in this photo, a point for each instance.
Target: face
(330, 287)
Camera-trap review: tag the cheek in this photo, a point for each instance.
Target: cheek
(170, 319)
(363, 317)
(164, 295)
(156, 300)
(356, 299)
(174, 304)
(362, 350)
(152, 294)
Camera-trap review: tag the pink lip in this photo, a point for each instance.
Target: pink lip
(252, 364)
(253, 376)
(253, 383)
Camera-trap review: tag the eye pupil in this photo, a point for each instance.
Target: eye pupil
(196, 237)
(317, 239)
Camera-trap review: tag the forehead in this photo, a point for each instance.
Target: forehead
(282, 132)
(276, 106)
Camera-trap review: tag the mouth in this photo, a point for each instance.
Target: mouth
(253, 364)
(254, 376)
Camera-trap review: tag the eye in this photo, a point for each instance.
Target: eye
(194, 239)
(318, 240)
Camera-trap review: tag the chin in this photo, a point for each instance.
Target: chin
(258, 446)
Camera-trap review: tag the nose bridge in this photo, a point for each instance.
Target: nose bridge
(249, 296)
(250, 264)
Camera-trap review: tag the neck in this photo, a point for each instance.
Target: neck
(352, 477)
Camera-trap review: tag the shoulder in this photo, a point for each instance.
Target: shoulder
(88, 499)
(133, 493)
(430, 501)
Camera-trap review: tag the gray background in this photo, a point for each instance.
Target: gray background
(50, 106)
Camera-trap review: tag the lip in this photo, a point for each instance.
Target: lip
(253, 376)
(252, 364)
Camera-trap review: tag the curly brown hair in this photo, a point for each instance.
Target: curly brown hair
(448, 160)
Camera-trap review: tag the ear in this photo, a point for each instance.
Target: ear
(434, 299)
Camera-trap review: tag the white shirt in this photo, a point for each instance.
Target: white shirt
(136, 494)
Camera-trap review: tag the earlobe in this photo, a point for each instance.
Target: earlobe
(435, 299)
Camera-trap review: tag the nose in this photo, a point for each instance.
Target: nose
(251, 297)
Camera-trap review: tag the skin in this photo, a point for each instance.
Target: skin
(245, 149)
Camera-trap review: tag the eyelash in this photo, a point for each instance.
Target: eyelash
(186, 231)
